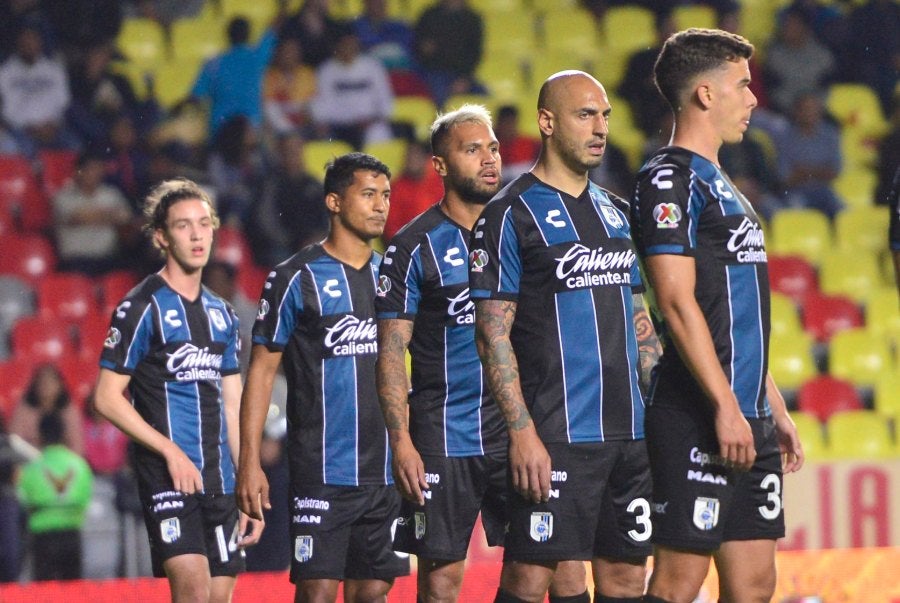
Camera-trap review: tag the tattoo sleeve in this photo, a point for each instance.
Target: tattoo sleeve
(493, 323)
(390, 372)
(649, 349)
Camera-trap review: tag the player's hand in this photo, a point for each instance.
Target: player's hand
(252, 490)
(409, 471)
(185, 475)
(529, 465)
(735, 438)
(792, 455)
(250, 538)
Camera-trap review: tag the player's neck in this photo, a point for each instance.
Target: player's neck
(550, 169)
(186, 284)
(698, 136)
(347, 247)
(460, 211)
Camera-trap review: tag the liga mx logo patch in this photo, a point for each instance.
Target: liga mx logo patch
(667, 215)
(706, 513)
(303, 548)
(170, 530)
(383, 286)
(541, 526)
(113, 337)
(420, 524)
(478, 260)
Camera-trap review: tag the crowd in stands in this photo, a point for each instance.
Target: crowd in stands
(86, 128)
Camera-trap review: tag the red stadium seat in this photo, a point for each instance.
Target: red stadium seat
(825, 315)
(15, 375)
(80, 375)
(793, 276)
(21, 195)
(91, 335)
(825, 395)
(57, 167)
(30, 256)
(37, 338)
(113, 287)
(67, 296)
(250, 280)
(232, 248)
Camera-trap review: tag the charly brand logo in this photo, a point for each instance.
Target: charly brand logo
(747, 242)
(452, 257)
(190, 363)
(350, 336)
(460, 309)
(579, 267)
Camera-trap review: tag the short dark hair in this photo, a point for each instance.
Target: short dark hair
(339, 171)
(238, 31)
(689, 53)
(166, 194)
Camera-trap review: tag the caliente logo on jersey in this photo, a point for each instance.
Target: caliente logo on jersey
(747, 242)
(350, 336)
(191, 363)
(581, 267)
(461, 309)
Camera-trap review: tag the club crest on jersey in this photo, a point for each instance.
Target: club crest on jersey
(262, 309)
(667, 215)
(170, 529)
(541, 526)
(303, 548)
(218, 318)
(419, 518)
(706, 513)
(612, 216)
(383, 286)
(478, 259)
(113, 337)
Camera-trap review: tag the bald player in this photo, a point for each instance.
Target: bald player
(564, 338)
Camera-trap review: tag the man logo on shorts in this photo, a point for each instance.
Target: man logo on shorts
(541, 526)
(706, 513)
(170, 529)
(420, 525)
(303, 548)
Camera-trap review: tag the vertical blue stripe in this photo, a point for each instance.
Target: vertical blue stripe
(140, 343)
(339, 408)
(332, 287)
(550, 215)
(172, 315)
(634, 367)
(582, 365)
(183, 403)
(226, 463)
(462, 416)
(746, 334)
(510, 269)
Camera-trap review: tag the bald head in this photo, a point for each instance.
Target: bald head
(556, 88)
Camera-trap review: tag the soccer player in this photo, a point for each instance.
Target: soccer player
(718, 433)
(562, 331)
(317, 315)
(894, 234)
(173, 345)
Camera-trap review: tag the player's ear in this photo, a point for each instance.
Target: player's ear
(333, 203)
(545, 121)
(160, 240)
(439, 165)
(704, 94)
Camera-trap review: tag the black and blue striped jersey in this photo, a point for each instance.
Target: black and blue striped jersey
(570, 266)
(685, 205)
(176, 352)
(320, 313)
(424, 278)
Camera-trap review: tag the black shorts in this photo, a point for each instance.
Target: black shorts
(344, 533)
(698, 503)
(598, 507)
(184, 524)
(459, 489)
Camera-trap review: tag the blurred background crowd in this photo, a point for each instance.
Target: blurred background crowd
(99, 99)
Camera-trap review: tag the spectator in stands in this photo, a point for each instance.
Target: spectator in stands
(795, 62)
(164, 11)
(55, 489)
(874, 47)
(10, 510)
(518, 150)
(34, 91)
(127, 161)
(288, 87)
(13, 14)
(235, 169)
(289, 213)
(614, 174)
(80, 24)
(413, 190)
(221, 277)
(391, 42)
(889, 155)
(753, 172)
(105, 446)
(232, 81)
(353, 99)
(809, 156)
(827, 22)
(91, 219)
(316, 30)
(47, 395)
(449, 38)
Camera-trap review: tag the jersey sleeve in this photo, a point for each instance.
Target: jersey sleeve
(664, 213)
(129, 336)
(399, 281)
(280, 305)
(495, 264)
(230, 362)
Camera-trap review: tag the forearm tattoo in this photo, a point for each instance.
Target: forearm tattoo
(493, 323)
(649, 348)
(391, 379)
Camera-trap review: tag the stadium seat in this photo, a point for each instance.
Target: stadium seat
(251, 279)
(574, 30)
(853, 273)
(504, 76)
(317, 153)
(113, 286)
(825, 395)
(791, 360)
(860, 434)
(803, 232)
(15, 376)
(510, 35)
(825, 315)
(888, 271)
(758, 21)
(193, 40)
(345, 10)
(37, 338)
(785, 317)
(391, 152)
(628, 28)
(694, 15)
(861, 228)
(21, 195)
(231, 247)
(142, 41)
(68, 297)
(883, 313)
(456, 101)
(859, 357)
(886, 399)
(812, 435)
(91, 334)
(16, 301)
(30, 256)
(57, 167)
(174, 80)
(856, 186)
(856, 108)
(417, 111)
(793, 276)
(80, 375)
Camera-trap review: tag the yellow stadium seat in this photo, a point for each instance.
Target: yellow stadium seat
(859, 357)
(173, 81)
(785, 318)
(489, 7)
(258, 12)
(317, 153)
(803, 232)
(887, 396)
(574, 30)
(504, 76)
(197, 39)
(391, 152)
(856, 186)
(417, 111)
(345, 9)
(143, 42)
(458, 100)
(694, 15)
(791, 360)
(852, 273)
(511, 35)
(856, 107)
(758, 21)
(628, 28)
(812, 435)
(860, 434)
(883, 313)
(888, 271)
(861, 228)
(550, 5)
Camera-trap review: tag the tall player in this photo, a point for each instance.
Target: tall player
(317, 315)
(718, 433)
(173, 345)
(562, 331)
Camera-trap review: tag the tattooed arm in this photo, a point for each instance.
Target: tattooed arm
(649, 349)
(529, 463)
(393, 386)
